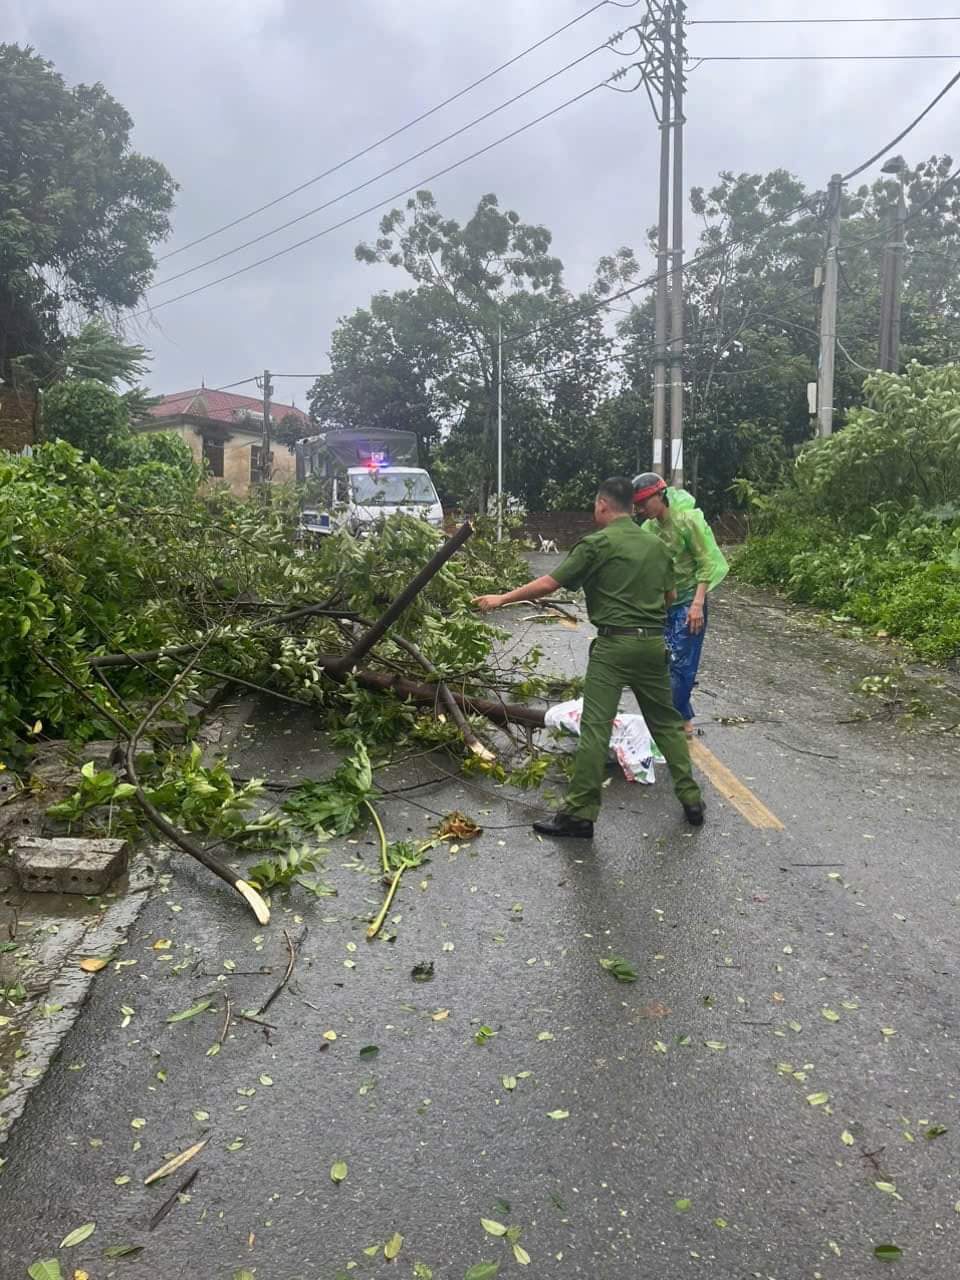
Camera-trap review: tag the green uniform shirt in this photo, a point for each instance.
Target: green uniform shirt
(624, 572)
(691, 544)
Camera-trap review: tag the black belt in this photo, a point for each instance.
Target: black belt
(630, 631)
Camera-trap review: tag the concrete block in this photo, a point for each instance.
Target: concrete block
(67, 864)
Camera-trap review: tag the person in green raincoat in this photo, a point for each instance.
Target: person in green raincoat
(699, 566)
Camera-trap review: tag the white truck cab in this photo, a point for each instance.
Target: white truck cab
(376, 492)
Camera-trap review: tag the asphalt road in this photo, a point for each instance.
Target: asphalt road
(757, 1104)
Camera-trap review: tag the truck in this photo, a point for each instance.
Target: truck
(364, 477)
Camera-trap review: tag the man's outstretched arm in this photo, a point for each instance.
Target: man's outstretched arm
(544, 586)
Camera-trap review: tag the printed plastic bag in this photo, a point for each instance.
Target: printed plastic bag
(630, 743)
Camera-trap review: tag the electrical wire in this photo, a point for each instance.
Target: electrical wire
(776, 22)
(385, 173)
(166, 302)
(826, 57)
(909, 129)
(395, 133)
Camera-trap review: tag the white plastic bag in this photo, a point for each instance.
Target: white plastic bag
(630, 742)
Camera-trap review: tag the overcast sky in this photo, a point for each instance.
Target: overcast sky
(244, 99)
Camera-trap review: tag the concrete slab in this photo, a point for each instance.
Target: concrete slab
(68, 864)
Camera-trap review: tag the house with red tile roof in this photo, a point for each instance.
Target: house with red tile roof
(224, 432)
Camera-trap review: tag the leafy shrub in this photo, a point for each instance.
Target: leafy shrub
(869, 522)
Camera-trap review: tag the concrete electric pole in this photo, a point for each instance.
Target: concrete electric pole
(675, 470)
(828, 310)
(265, 468)
(660, 461)
(893, 277)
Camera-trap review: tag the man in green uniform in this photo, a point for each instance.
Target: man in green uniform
(627, 578)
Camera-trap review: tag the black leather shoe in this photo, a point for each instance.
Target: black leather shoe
(695, 813)
(564, 824)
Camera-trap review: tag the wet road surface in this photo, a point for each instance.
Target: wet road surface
(757, 1104)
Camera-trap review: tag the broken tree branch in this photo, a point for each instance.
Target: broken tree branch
(292, 951)
(176, 837)
(443, 693)
(181, 650)
(406, 597)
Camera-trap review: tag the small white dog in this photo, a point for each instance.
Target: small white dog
(547, 545)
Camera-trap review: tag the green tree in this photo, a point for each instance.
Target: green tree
(79, 208)
(479, 274)
(89, 416)
(752, 312)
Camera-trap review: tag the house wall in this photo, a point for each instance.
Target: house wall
(236, 454)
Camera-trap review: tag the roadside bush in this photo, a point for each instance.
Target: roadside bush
(869, 523)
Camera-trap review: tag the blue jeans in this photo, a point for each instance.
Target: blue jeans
(684, 649)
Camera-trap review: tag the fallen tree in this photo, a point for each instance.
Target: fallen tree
(113, 608)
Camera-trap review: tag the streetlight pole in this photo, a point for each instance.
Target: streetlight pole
(499, 429)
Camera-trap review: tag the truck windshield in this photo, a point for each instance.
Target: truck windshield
(393, 489)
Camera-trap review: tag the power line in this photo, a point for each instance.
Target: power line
(396, 132)
(909, 129)
(827, 57)
(369, 182)
(777, 22)
(380, 204)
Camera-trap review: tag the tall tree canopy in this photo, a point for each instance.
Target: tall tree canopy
(79, 208)
(577, 385)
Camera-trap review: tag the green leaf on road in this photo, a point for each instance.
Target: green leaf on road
(123, 1250)
(889, 1189)
(369, 1051)
(421, 1271)
(888, 1252)
(621, 969)
(935, 1131)
(716, 1045)
(484, 1034)
(338, 1172)
(393, 1246)
(78, 1236)
(558, 1115)
(509, 1082)
(831, 1015)
(683, 1206)
(493, 1228)
(192, 1012)
(521, 1255)
(482, 1271)
(818, 1099)
(847, 1138)
(49, 1269)
(243, 1274)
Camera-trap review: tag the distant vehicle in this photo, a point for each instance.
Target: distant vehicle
(314, 524)
(372, 476)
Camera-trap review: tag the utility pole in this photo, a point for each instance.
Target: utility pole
(675, 469)
(828, 310)
(499, 429)
(893, 277)
(660, 461)
(265, 468)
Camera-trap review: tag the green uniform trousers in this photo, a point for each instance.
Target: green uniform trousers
(641, 664)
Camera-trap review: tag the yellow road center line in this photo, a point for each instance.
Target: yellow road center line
(733, 790)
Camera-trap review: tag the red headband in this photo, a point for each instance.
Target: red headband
(641, 495)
